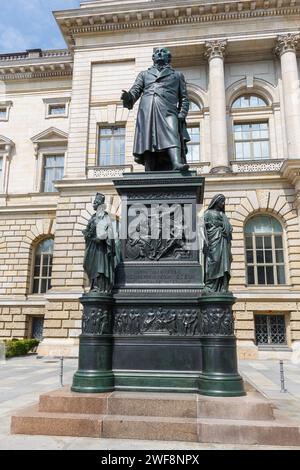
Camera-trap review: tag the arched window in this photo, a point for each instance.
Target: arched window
(249, 101)
(194, 107)
(251, 128)
(264, 251)
(42, 269)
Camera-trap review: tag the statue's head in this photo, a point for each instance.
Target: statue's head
(218, 203)
(162, 56)
(99, 200)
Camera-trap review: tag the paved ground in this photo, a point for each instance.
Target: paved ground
(22, 380)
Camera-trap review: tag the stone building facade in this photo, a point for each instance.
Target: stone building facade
(61, 119)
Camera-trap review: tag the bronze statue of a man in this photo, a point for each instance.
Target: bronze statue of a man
(217, 247)
(100, 253)
(161, 134)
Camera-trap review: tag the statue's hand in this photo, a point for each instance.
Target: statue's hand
(127, 99)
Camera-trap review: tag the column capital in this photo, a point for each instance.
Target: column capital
(215, 49)
(286, 43)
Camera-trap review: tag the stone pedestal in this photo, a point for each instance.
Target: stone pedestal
(219, 376)
(156, 310)
(94, 374)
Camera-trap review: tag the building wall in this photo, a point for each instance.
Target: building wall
(104, 63)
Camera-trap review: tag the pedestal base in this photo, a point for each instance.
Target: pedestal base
(219, 376)
(95, 374)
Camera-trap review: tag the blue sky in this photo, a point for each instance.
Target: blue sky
(29, 24)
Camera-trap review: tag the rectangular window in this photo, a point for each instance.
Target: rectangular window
(193, 155)
(265, 259)
(37, 327)
(57, 109)
(53, 171)
(111, 146)
(270, 329)
(252, 141)
(3, 114)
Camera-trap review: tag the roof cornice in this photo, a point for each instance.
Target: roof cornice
(130, 16)
(36, 65)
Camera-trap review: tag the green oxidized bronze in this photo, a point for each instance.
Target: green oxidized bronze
(100, 258)
(217, 247)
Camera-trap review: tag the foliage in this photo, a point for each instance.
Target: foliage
(16, 347)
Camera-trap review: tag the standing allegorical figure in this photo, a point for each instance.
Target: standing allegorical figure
(217, 247)
(161, 134)
(100, 258)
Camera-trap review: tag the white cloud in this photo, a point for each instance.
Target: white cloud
(30, 24)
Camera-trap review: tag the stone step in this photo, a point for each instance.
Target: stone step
(206, 430)
(66, 401)
(153, 404)
(217, 431)
(176, 405)
(33, 422)
(251, 407)
(150, 428)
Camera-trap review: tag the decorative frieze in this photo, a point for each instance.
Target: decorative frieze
(217, 320)
(256, 167)
(166, 15)
(157, 321)
(96, 321)
(36, 64)
(108, 172)
(34, 73)
(286, 43)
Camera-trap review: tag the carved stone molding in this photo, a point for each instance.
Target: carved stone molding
(165, 14)
(256, 167)
(286, 43)
(215, 49)
(109, 172)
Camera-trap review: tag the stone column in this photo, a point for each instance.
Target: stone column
(215, 52)
(286, 50)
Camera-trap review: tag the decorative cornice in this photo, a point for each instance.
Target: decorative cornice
(36, 64)
(286, 43)
(136, 16)
(6, 144)
(291, 171)
(215, 49)
(39, 54)
(49, 135)
(15, 74)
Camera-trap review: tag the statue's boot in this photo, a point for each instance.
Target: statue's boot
(175, 160)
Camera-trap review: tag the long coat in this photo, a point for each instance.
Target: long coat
(217, 247)
(99, 256)
(164, 96)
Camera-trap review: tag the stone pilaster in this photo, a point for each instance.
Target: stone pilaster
(215, 53)
(286, 50)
